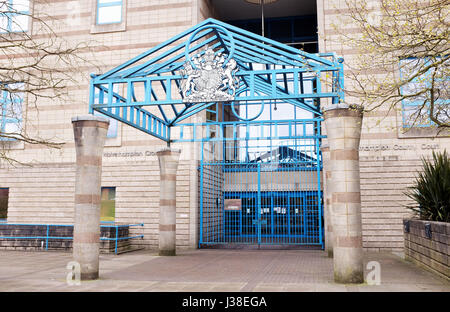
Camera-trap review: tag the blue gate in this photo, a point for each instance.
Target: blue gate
(262, 189)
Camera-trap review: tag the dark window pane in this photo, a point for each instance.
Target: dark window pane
(281, 30)
(4, 193)
(292, 29)
(305, 26)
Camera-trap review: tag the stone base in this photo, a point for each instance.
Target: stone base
(353, 277)
(167, 253)
(330, 253)
(89, 276)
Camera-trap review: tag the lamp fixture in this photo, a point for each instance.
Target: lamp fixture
(259, 1)
(262, 22)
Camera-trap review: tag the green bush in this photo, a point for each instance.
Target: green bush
(431, 190)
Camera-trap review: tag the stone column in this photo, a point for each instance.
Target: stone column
(168, 164)
(325, 148)
(343, 125)
(90, 134)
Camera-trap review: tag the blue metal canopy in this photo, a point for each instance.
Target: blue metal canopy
(155, 90)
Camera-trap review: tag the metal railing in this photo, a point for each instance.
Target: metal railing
(47, 237)
(117, 238)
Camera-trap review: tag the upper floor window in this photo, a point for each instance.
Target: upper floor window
(109, 11)
(14, 16)
(11, 101)
(426, 84)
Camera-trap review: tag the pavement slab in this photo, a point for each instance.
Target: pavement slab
(210, 270)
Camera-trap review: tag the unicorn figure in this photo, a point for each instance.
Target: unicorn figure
(231, 80)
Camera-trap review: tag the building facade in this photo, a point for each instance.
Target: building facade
(40, 189)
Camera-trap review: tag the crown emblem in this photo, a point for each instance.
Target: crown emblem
(206, 78)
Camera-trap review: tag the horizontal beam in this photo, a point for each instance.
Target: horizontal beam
(301, 129)
(256, 79)
(222, 139)
(276, 96)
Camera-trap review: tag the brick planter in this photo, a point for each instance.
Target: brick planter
(427, 244)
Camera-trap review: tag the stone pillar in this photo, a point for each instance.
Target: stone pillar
(90, 135)
(343, 125)
(168, 164)
(325, 148)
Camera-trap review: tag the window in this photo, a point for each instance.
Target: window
(108, 204)
(297, 31)
(14, 16)
(416, 105)
(109, 11)
(211, 117)
(11, 100)
(112, 130)
(108, 16)
(4, 194)
(113, 123)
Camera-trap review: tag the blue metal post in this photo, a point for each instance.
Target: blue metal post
(117, 237)
(200, 241)
(46, 240)
(258, 207)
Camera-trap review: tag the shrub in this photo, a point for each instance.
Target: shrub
(431, 190)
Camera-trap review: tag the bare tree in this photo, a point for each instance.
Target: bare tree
(403, 57)
(35, 64)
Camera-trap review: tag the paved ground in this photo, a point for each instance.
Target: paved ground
(208, 270)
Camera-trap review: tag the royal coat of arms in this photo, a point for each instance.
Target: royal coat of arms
(209, 80)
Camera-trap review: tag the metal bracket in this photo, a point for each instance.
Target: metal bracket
(406, 226)
(428, 230)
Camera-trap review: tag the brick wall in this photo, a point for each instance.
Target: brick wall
(389, 158)
(429, 247)
(383, 181)
(44, 193)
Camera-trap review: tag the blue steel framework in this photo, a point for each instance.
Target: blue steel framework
(287, 186)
